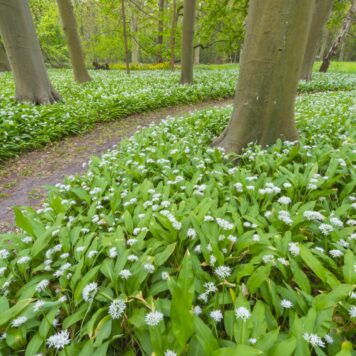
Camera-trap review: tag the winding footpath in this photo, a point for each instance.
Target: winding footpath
(22, 179)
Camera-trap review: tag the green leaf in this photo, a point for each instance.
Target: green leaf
(349, 269)
(11, 313)
(204, 336)
(163, 256)
(83, 282)
(285, 347)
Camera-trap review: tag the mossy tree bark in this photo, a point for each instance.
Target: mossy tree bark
(24, 53)
(274, 47)
(70, 29)
(4, 62)
(341, 34)
(321, 13)
(187, 43)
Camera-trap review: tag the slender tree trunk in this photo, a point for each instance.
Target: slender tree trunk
(341, 34)
(123, 14)
(342, 51)
(70, 29)
(160, 30)
(321, 13)
(273, 53)
(24, 53)
(173, 33)
(135, 50)
(324, 41)
(197, 55)
(187, 44)
(4, 62)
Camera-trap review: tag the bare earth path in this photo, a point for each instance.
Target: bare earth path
(22, 179)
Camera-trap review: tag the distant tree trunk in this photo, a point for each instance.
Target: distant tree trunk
(187, 44)
(24, 53)
(341, 34)
(342, 51)
(160, 30)
(324, 41)
(135, 50)
(197, 55)
(173, 33)
(4, 62)
(123, 14)
(70, 30)
(321, 13)
(273, 53)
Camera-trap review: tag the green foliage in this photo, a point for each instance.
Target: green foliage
(165, 245)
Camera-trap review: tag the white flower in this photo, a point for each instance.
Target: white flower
(284, 200)
(41, 286)
(313, 215)
(326, 229)
(170, 353)
(336, 221)
(335, 253)
(153, 318)
(284, 216)
(252, 341)
(89, 291)
(224, 224)
(197, 310)
(26, 239)
(352, 312)
(238, 187)
(208, 218)
(117, 308)
(283, 261)
(294, 248)
(113, 252)
(313, 340)
(125, 274)
(287, 304)
(4, 254)
(232, 238)
(191, 233)
(242, 313)
(38, 305)
(19, 321)
(164, 276)
(2, 270)
(223, 271)
(80, 248)
(24, 259)
(329, 339)
(132, 258)
(91, 254)
(59, 340)
(149, 267)
(216, 315)
(268, 258)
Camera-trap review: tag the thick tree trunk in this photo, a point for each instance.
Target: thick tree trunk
(4, 62)
(187, 44)
(123, 14)
(320, 16)
(135, 50)
(274, 47)
(24, 53)
(70, 29)
(173, 33)
(160, 31)
(341, 34)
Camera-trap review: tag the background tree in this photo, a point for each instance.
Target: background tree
(124, 30)
(69, 23)
(321, 13)
(4, 62)
(24, 53)
(274, 48)
(187, 43)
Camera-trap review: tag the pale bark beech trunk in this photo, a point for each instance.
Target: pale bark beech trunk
(324, 41)
(4, 62)
(160, 30)
(197, 55)
(24, 53)
(173, 33)
(135, 50)
(273, 52)
(321, 13)
(341, 34)
(70, 30)
(123, 14)
(187, 43)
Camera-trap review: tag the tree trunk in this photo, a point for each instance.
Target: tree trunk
(324, 41)
(70, 29)
(273, 53)
(197, 55)
(4, 62)
(341, 34)
(173, 33)
(24, 53)
(187, 44)
(135, 50)
(160, 30)
(321, 13)
(123, 14)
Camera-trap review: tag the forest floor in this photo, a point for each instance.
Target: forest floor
(22, 179)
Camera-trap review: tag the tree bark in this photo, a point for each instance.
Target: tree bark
(173, 33)
(70, 29)
(274, 47)
(4, 62)
(160, 30)
(187, 43)
(24, 53)
(135, 50)
(324, 41)
(321, 13)
(197, 55)
(341, 34)
(123, 14)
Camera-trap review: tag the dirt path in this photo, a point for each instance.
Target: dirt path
(22, 179)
